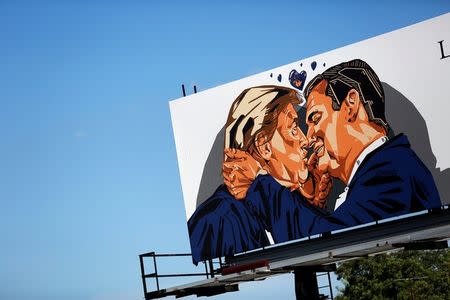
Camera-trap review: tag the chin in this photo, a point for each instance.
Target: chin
(302, 175)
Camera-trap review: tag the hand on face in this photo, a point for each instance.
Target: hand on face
(239, 170)
(322, 184)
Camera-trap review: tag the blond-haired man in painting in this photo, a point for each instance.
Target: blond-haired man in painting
(263, 125)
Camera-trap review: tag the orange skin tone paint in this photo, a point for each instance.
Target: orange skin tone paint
(283, 157)
(338, 136)
(287, 160)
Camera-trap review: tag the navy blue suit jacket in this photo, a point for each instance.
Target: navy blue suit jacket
(391, 181)
(223, 226)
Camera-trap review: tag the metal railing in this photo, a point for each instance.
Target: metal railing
(328, 285)
(209, 271)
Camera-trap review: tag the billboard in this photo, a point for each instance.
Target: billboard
(344, 138)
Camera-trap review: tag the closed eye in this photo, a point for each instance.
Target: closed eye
(294, 123)
(314, 117)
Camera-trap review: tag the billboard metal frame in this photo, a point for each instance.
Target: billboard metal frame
(427, 230)
(424, 230)
(413, 232)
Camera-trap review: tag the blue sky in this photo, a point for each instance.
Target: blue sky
(88, 176)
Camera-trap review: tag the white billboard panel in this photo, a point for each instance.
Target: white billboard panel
(339, 139)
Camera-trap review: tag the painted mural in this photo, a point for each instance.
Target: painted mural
(314, 157)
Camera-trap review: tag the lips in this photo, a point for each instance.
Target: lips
(319, 149)
(304, 152)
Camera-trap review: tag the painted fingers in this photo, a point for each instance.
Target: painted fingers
(239, 170)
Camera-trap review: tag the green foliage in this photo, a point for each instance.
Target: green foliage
(399, 275)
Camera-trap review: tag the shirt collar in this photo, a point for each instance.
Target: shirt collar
(372, 146)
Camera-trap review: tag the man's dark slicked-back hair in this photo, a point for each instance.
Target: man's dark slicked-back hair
(355, 74)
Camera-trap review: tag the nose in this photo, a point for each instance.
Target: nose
(311, 136)
(302, 138)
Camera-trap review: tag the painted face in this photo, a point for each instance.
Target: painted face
(327, 130)
(289, 149)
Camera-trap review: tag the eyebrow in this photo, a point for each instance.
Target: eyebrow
(292, 113)
(286, 110)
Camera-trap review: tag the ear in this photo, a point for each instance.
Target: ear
(263, 147)
(351, 105)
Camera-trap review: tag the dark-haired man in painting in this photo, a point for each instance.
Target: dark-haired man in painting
(348, 133)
